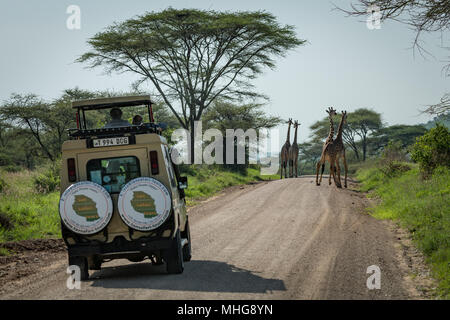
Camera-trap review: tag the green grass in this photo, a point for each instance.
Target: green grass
(4, 252)
(33, 215)
(421, 206)
(209, 181)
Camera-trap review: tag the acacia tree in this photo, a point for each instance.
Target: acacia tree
(224, 115)
(26, 112)
(191, 57)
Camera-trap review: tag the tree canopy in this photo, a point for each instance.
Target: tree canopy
(191, 57)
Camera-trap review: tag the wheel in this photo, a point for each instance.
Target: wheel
(186, 234)
(82, 263)
(174, 256)
(96, 263)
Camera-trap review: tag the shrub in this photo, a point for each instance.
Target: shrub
(47, 181)
(393, 152)
(432, 149)
(394, 168)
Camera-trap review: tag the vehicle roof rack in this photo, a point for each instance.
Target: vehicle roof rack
(104, 103)
(114, 131)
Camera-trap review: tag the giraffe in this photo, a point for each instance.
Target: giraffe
(285, 151)
(331, 112)
(293, 154)
(339, 149)
(332, 152)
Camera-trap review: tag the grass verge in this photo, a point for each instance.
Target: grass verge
(421, 206)
(208, 181)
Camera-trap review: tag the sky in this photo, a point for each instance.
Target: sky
(344, 64)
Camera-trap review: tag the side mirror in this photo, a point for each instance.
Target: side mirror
(182, 183)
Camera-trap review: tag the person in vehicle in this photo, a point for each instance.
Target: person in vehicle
(116, 115)
(137, 120)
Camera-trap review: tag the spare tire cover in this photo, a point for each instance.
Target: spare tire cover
(144, 204)
(85, 207)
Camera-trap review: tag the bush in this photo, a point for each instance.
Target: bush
(432, 149)
(394, 168)
(393, 152)
(47, 181)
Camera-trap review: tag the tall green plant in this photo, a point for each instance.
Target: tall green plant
(432, 149)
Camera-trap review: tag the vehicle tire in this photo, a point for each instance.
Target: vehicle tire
(82, 263)
(187, 251)
(96, 263)
(174, 256)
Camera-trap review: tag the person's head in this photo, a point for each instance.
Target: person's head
(116, 113)
(137, 120)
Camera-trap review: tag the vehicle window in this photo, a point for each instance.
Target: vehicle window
(113, 173)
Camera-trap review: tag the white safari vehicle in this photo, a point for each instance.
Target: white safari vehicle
(121, 195)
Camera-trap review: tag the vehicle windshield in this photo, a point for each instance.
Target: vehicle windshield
(113, 173)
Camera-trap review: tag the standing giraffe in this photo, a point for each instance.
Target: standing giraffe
(331, 112)
(293, 154)
(285, 151)
(339, 149)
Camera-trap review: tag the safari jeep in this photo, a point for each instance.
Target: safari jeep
(121, 195)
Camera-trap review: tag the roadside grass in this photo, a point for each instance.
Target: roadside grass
(421, 206)
(28, 214)
(208, 181)
(4, 252)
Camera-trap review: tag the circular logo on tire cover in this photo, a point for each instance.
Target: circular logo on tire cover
(144, 204)
(85, 207)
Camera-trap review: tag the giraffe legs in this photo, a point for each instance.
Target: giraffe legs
(331, 174)
(296, 168)
(321, 173)
(338, 182)
(345, 168)
(319, 163)
(290, 168)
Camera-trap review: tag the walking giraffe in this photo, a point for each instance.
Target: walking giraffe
(293, 154)
(339, 150)
(285, 151)
(332, 152)
(331, 112)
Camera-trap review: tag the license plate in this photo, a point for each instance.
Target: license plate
(106, 142)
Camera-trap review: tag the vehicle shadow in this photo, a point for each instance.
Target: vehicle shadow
(198, 275)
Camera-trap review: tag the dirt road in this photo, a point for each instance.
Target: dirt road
(285, 239)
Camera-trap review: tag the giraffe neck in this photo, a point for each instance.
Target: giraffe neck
(288, 133)
(295, 136)
(340, 129)
(331, 134)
